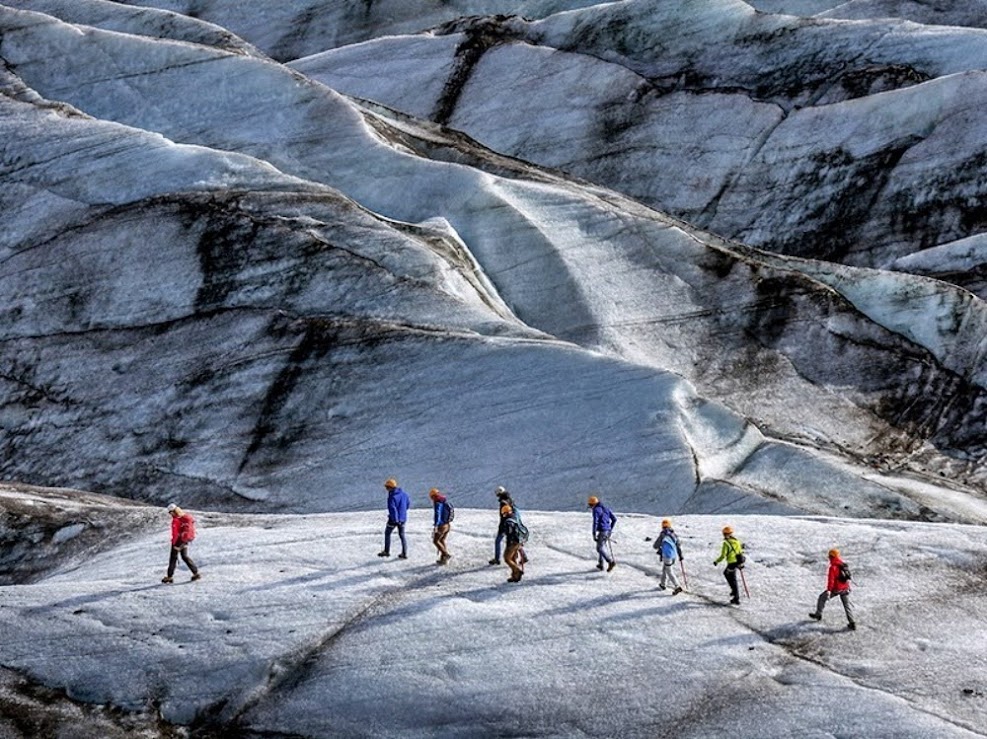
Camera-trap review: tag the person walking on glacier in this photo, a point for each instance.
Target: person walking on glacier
(837, 583)
(397, 516)
(503, 498)
(182, 534)
(669, 550)
(441, 523)
(516, 534)
(603, 523)
(733, 552)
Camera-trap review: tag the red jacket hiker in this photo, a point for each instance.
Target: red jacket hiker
(833, 583)
(182, 533)
(182, 529)
(835, 587)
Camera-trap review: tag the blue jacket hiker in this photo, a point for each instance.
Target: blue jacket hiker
(442, 522)
(603, 523)
(397, 516)
(669, 550)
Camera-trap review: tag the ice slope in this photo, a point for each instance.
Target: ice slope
(578, 263)
(297, 628)
(844, 154)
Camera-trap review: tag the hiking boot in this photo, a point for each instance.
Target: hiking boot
(196, 576)
(735, 601)
(494, 561)
(611, 565)
(676, 591)
(599, 566)
(383, 554)
(513, 579)
(660, 586)
(402, 556)
(441, 561)
(815, 616)
(168, 579)
(852, 626)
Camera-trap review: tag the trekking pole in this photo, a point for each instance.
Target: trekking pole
(610, 544)
(744, 581)
(685, 580)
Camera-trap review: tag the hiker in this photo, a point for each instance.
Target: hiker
(733, 552)
(603, 523)
(837, 583)
(516, 535)
(182, 534)
(441, 524)
(669, 550)
(397, 517)
(503, 498)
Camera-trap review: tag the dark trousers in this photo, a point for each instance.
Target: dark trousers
(730, 573)
(391, 525)
(173, 560)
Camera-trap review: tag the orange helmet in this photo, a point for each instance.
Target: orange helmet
(593, 500)
(506, 510)
(666, 523)
(727, 531)
(834, 553)
(390, 483)
(434, 493)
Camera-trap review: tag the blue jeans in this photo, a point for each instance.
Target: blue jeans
(602, 540)
(497, 542)
(391, 525)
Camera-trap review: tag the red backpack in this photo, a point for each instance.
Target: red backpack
(187, 532)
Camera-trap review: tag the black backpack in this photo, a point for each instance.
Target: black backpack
(845, 575)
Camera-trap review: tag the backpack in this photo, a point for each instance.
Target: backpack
(187, 531)
(450, 512)
(522, 531)
(845, 574)
(669, 548)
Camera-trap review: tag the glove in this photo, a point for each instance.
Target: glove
(715, 563)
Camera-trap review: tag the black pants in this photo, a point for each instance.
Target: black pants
(730, 573)
(173, 560)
